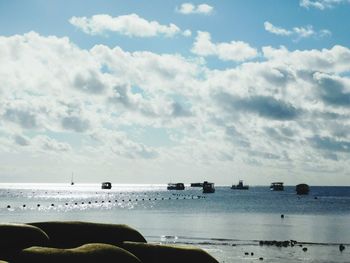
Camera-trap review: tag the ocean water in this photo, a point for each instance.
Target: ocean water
(228, 224)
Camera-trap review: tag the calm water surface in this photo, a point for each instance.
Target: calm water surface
(225, 223)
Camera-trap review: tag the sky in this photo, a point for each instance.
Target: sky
(165, 91)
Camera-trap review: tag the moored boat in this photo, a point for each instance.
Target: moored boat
(302, 189)
(240, 186)
(277, 186)
(208, 187)
(196, 184)
(106, 185)
(177, 186)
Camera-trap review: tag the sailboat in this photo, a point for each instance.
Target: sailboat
(72, 180)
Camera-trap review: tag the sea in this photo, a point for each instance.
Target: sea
(231, 225)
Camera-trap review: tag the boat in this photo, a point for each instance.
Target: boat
(302, 189)
(106, 185)
(276, 186)
(240, 186)
(177, 186)
(208, 187)
(196, 184)
(72, 181)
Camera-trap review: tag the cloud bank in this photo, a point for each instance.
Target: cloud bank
(288, 110)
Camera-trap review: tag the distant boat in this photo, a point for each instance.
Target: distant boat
(277, 186)
(177, 186)
(196, 184)
(106, 185)
(208, 187)
(302, 189)
(240, 186)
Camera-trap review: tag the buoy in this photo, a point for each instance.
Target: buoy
(8, 206)
(66, 203)
(76, 203)
(52, 205)
(341, 247)
(38, 205)
(24, 205)
(89, 203)
(304, 249)
(282, 216)
(261, 258)
(252, 254)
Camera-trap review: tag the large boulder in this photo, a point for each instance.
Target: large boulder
(153, 253)
(15, 237)
(74, 234)
(87, 253)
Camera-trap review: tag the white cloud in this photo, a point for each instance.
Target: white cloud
(189, 8)
(187, 33)
(234, 50)
(321, 4)
(297, 32)
(289, 110)
(276, 30)
(130, 25)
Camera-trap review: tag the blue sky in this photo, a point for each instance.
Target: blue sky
(145, 91)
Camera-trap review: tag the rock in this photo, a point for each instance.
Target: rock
(152, 253)
(89, 253)
(15, 237)
(74, 233)
(341, 247)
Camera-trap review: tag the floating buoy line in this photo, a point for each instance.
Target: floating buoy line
(98, 203)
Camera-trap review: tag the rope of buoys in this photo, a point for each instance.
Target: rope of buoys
(184, 197)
